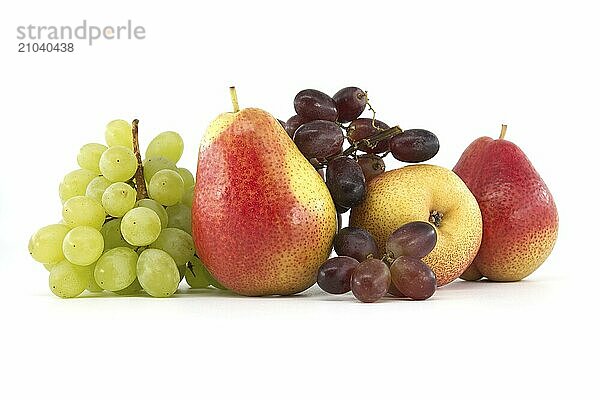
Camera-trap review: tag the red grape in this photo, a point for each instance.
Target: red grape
(415, 239)
(356, 243)
(363, 128)
(370, 280)
(413, 277)
(350, 102)
(312, 104)
(319, 139)
(393, 290)
(414, 145)
(341, 209)
(371, 165)
(335, 274)
(346, 182)
(293, 123)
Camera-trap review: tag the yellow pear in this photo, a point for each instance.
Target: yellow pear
(425, 193)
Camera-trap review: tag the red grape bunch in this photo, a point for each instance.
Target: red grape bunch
(321, 126)
(369, 275)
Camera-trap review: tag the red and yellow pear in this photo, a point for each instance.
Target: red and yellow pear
(263, 220)
(520, 219)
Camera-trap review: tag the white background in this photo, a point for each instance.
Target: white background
(457, 68)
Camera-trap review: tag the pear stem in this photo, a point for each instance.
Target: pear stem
(234, 99)
(503, 131)
(140, 183)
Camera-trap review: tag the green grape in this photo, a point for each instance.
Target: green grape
(167, 144)
(188, 178)
(118, 133)
(89, 156)
(181, 269)
(131, 289)
(157, 208)
(154, 164)
(180, 216)
(111, 232)
(188, 198)
(177, 243)
(166, 187)
(45, 246)
(83, 245)
(93, 286)
(118, 198)
(75, 183)
(140, 226)
(118, 164)
(83, 211)
(95, 189)
(116, 269)
(196, 275)
(50, 266)
(157, 273)
(198, 265)
(67, 280)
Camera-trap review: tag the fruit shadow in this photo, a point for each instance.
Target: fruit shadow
(480, 284)
(210, 292)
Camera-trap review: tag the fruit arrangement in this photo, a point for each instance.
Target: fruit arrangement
(277, 196)
(322, 125)
(264, 211)
(126, 225)
(319, 129)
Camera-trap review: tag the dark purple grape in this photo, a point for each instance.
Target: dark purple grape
(335, 274)
(371, 165)
(293, 123)
(312, 104)
(415, 239)
(341, 209)
(351, 102)
(413, 278)
(356, 243)
(363, 128)
(346, 182)
(319, 139)
(370, 280)
(393, 290)
(414, 145)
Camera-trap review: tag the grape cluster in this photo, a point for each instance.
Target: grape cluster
(126, 225)
(399, 271)
(321, 126)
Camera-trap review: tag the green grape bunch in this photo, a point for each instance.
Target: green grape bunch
(126, 223)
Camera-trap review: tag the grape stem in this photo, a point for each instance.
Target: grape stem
(370, 141)
(140, 183)
(373, 140)
(388, 258)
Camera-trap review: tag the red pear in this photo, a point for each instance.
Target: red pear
(520, 220)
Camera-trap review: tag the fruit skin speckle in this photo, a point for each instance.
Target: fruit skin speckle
(262, 218)
(412, 193)
(520, 219)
